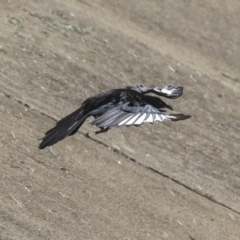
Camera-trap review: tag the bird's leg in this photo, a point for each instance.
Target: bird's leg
(102, 130)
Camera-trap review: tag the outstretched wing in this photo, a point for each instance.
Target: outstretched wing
(135, 115)
(168, 91)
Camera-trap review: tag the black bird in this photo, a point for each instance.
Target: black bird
(118, 107)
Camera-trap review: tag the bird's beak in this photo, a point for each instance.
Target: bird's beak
(169, 107)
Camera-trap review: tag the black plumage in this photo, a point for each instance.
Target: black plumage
(118, 107)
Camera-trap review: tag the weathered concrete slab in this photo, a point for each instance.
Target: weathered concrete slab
(84, 190)
(55, 54)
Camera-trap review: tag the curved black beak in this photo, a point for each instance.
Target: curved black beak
(168, 106)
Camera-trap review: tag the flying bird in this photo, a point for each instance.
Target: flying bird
(115, 108)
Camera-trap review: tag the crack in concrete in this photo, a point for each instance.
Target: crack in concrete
(117, 151)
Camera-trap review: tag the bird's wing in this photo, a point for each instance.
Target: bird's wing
(169, 91)
(135, 115)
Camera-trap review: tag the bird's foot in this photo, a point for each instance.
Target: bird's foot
(103, 130)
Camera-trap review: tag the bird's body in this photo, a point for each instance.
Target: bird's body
(115, 108)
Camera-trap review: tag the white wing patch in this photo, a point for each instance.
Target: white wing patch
(140, 120)
(161, 117)
(168, 91)
(132, 120)
(124, 121)
(150, 118)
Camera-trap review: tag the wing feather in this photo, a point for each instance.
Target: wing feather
(133, 119)
(124, 121)
(149, 118)
(132, 115)
(140, 120)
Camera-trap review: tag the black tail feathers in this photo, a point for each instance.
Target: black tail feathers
(67, 126)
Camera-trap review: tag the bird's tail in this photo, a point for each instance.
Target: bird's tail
(67, 126)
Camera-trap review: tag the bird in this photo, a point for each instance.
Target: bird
(127, 106)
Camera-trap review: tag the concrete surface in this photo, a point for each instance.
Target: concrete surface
(163, 181)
